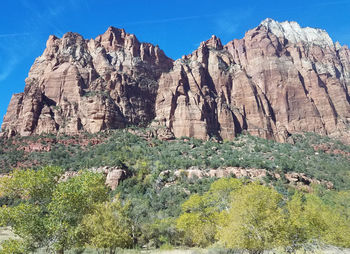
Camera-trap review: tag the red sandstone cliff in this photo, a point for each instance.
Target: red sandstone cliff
(278, 80)
(88, 85)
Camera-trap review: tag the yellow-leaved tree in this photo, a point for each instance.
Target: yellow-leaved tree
(310, 218)
(201, 213)
(109, 226)
(255, 221)
(48, 212)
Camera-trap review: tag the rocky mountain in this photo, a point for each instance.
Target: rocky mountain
(278, 80)
(88, 85)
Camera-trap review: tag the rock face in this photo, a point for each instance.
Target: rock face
(278, 80)
(88, 85)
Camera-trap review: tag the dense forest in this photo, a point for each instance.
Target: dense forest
(154, 208)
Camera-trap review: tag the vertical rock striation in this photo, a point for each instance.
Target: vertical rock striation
(278, 80)
(88, 85)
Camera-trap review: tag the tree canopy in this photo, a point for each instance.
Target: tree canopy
(255, 217)
(109, 226)
(49, 212)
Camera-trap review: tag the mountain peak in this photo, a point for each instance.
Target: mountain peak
(294, 33)
(256, 84)
(113, 29)
(214, 42)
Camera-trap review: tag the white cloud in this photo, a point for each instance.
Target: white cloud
(229, 21)
(14, 35)
(7, 68)
(227, 26)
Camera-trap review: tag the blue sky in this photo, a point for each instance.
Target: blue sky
(177, 26)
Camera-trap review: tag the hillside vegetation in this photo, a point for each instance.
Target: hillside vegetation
(316, 156)
(153, 209)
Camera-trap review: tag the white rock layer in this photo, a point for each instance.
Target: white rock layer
(294, 33)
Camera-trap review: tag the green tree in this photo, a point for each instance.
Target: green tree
(199, 229)
(201, 213)
(255, 221)
(32, 190)
(160, 232)
(31, 185)
(109, 226)
(48, 212)
(312, 219)
(13, 246)
(219, 194)
(71, 200)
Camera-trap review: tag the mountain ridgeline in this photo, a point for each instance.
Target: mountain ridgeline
(280, 79)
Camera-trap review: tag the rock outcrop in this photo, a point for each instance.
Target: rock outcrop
(88, 85)
(299, 180)
(278, 80)
(114, 175)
